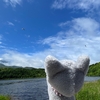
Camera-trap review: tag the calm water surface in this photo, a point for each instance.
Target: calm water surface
(28, 89)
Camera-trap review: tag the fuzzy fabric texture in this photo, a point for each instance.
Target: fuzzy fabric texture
(66, 76)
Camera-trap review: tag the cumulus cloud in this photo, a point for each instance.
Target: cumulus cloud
(82, 26)
(24, 60)
(82, 37)
(76, 4)
(13, 3)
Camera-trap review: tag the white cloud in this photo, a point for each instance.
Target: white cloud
(59, 4)
(25, 60)
(35, 60)
(13, 3)
(81, 26)
(82, 37)
(1, 43)
(76, 4)
(10, 23)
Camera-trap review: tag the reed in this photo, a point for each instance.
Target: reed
(89, 91)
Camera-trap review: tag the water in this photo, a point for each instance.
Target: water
(89, 79)
(28, 89)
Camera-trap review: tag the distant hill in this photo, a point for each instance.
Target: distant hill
(94, 70)
(3, 61)
(2, 65)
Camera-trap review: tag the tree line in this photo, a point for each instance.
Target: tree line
(14, 73)
(94, 70)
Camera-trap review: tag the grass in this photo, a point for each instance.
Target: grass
(89, 91)
(2, 97)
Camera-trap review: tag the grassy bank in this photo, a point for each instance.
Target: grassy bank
(89, 91)
(2, 97)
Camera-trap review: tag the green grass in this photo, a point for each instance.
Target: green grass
(2, 97)
(89, 91)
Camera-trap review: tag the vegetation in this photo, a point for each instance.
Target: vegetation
(14, 73)
(90, 91)
(2, 97)
(94, 70)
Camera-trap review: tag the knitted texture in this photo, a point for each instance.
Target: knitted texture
(66, 76)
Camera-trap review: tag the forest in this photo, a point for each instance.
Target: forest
(15, 72)
(94, 70)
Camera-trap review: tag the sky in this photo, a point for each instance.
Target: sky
(30, 30)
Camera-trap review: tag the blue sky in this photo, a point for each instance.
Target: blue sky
(65, 29)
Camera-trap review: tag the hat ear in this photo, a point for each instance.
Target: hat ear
(53, 66)
(83, 63)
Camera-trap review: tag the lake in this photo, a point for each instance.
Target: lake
(28, 89)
